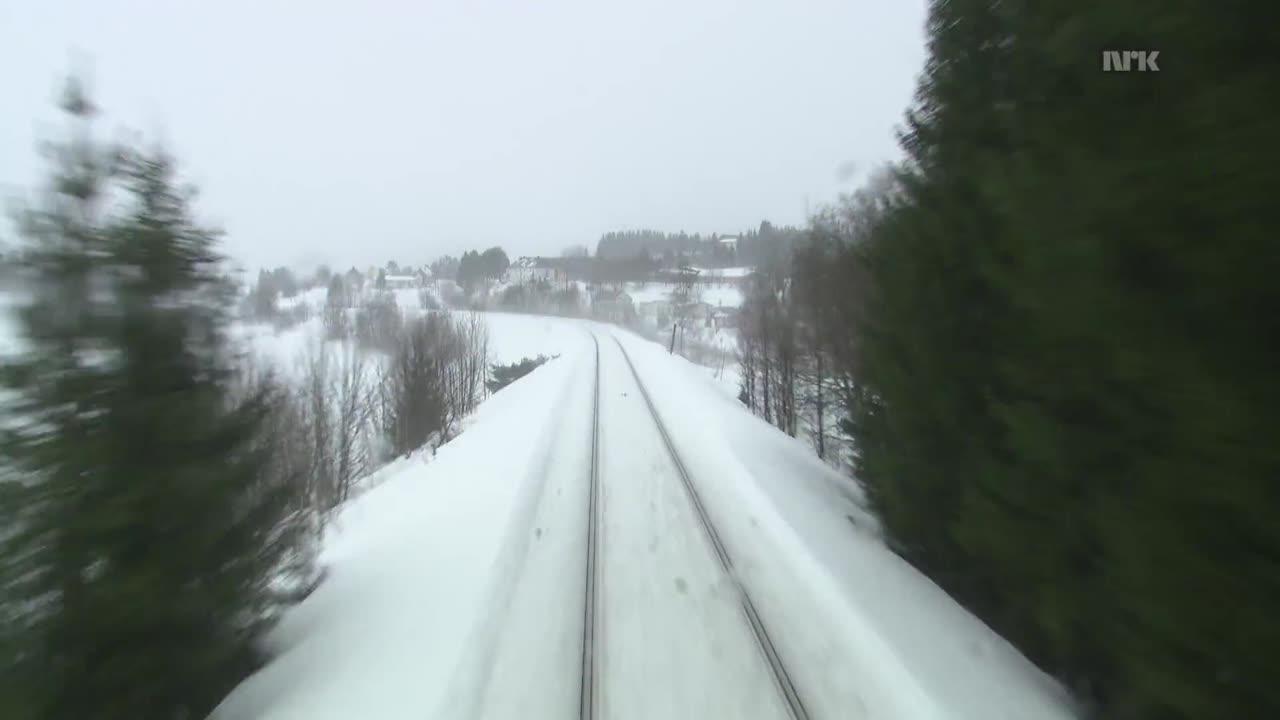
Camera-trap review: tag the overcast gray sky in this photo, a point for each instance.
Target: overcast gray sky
(364, 131)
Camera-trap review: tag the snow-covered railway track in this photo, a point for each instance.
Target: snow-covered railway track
(587, 697)
(782, 679)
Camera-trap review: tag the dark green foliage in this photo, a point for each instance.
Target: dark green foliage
(504, 375)
(475, 267)
(766, 245)
(336, 295)
(271, 285)
(445, 268)
(353, 281)
(1062, 354)
(624, 245)
(417, 380)
(337, 300)
(566, 301)
(434, 379)
(262, 299)
(758, 246)
(494, 262)
(144, 522)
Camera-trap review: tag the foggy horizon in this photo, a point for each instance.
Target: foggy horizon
(402, 133)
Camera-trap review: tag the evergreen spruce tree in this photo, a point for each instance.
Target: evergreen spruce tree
(145, 526)
(1067, 406)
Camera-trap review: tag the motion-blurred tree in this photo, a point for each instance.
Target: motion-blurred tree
(1068, 403)
(143, 527)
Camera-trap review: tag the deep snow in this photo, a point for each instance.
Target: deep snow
(514, 336)
(674, 642)
(873, 638)
(418, 569)
(455, 586)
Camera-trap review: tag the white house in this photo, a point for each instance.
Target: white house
(528, 270)
(399, 282)
(613, 306)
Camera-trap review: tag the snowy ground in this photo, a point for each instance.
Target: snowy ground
(419, 570)
(456, 586)
(514, 336)
(729, 272)
(727, 295)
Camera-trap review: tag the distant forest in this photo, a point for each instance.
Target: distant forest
(757, 246)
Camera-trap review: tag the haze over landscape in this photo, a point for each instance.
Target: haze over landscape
(352, 132)
(814, 360)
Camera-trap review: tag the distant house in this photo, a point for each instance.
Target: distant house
(728, 246)
(527, 270)
(613, 306)
(656, 312)
(681, 275)
(530, 270)
(400, 282)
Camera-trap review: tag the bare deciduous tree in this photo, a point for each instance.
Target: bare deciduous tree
(465, 370)
(435, 377)
(317, 422)
(354, 403)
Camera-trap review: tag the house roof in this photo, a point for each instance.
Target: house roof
(532, 262)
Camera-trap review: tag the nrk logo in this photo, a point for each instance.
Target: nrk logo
(1126, 60)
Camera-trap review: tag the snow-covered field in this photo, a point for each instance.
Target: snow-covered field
(513, 336)
(727, 295)
(455, 586)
